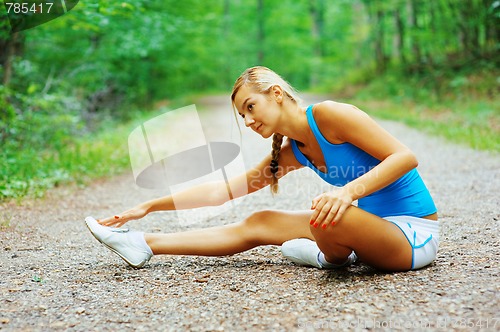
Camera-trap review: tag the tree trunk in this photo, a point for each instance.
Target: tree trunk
(399, 38)
(6, 57)
(260, 31)
(359, 9)
(380, 57)
(463, 23)
(316, 10)
(491, 27)
(415, 41)
(470, 13)
(226, 28)
(434, 46)
(474, 23)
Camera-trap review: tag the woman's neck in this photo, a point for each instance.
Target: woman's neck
(294, 124)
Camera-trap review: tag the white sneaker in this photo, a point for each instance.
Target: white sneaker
(120, 242)
(302, 252)
(306, 253)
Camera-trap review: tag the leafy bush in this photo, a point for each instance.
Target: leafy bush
(46, 141)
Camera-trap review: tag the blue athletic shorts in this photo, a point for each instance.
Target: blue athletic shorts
(423, 236)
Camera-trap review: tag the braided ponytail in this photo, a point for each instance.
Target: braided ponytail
(275, 156)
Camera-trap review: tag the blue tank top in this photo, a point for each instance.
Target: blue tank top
(345, 162)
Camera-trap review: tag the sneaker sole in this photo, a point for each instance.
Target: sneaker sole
(137, 266)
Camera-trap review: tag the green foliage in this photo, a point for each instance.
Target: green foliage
(461, 106)
(55, 158)
(438, 86)
(474, 123)
(152, 50)
(46, 142)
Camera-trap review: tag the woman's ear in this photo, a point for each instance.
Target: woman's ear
(277, 92)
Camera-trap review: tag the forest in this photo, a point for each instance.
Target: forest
(104, 64)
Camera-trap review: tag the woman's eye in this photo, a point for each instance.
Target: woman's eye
(250, 107)
(242, 115)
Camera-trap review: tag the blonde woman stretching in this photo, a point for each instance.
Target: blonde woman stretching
(394, 227)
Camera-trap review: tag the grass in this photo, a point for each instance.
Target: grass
(473, 123)
(30, 172)
(461, 105)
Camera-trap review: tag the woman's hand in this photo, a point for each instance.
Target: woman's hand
(329, 207)
(119, 220)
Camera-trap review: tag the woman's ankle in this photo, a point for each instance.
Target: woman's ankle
(328, 262)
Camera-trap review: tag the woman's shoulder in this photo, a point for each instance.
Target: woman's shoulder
(331, 117)
(327, 109)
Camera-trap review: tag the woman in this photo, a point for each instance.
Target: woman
(394, 227)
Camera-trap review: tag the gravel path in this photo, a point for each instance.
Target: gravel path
(55, 276)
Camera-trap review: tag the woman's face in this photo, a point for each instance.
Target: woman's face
(259, 111)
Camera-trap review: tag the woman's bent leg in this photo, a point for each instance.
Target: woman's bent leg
(375, 241)
(261, 228)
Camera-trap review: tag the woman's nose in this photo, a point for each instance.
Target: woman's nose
(249, 121)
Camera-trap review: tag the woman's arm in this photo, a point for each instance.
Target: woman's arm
(212, 193)
(349, 124)
(356, 127)
(216, 193)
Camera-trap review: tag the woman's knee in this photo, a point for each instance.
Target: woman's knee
(258, 219)
(256, 224)
(332, 232)
(340, 236)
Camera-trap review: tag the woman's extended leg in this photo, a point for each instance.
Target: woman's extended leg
(261, 228)
(375, 241)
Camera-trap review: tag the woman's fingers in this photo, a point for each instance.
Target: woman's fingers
(332, 215)
(328, 213)
(325, 211)
(106, 221)
(318, 207)
(113, 221)
(119, 220)
(340, 212)
(315, 201)
(120, 224)
(329, 208)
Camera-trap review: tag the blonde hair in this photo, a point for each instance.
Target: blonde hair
(262, 79)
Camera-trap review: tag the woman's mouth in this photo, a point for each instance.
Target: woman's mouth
(258, 127)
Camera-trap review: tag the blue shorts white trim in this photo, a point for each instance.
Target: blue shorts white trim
(423, 236)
